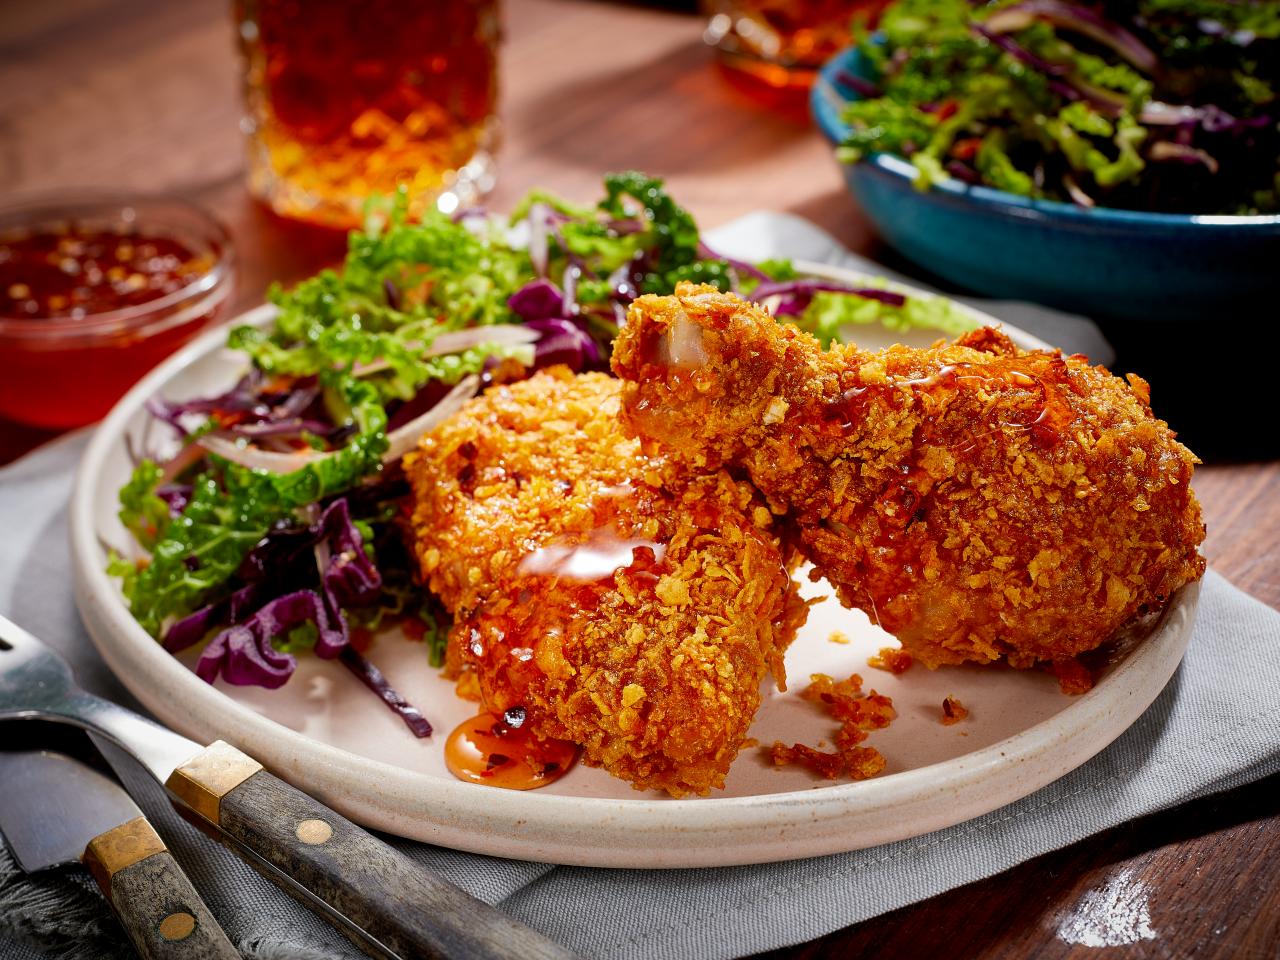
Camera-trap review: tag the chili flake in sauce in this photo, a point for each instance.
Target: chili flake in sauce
(80, 271)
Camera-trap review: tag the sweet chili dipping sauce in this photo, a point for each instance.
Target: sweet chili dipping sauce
(95, 294)
(499, 751)
(84, 270)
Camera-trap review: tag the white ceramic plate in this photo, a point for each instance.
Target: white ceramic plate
(325, 733)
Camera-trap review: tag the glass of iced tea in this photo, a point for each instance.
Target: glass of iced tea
(782, 43)
(350, 98)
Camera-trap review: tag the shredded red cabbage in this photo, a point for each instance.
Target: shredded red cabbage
(1103, 100)
(372, 678)
(564, 341)
(547, 309)
(537, 300)
(862, 87)
(243, 653)
(257, 410)
(272, 572)
(175, 496)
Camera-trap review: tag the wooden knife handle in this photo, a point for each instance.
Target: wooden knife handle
(312, 852)
(155, 902)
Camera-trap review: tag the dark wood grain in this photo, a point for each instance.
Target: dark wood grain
(142, 93)
(164, 916)
(1093, 892)
(402, 906)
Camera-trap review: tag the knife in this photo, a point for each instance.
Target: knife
(373, 893)
(57, 811)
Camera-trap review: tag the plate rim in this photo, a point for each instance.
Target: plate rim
(625, 833)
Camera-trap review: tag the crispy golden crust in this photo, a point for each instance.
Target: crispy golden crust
(978, 501)
(526, 502)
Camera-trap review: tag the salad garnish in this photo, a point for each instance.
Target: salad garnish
(1158, 105)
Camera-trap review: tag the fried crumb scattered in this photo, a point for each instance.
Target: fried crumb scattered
(838, 636)
(953, 711)
(1074, 677)
(858, 713)
(893, 659)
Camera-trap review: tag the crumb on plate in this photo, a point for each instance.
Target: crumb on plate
(893, 659)
(1073, 676)
(953, 711)
(858, 714)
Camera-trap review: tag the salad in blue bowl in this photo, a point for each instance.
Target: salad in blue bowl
(1118, 159)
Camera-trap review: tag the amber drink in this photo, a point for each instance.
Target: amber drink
(350, 98)
(782, 43)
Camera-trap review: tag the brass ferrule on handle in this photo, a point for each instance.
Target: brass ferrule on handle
(210, 775)
(120, 847)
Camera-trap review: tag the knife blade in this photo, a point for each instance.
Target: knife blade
(58, 811)
(384, 901)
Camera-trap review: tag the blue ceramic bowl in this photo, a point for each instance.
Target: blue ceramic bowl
(1116, 264)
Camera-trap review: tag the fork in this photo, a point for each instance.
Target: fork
(385, 902)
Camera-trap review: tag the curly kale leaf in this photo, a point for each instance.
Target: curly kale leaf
(232, 508)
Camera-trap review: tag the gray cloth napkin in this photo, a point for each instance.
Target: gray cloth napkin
(1216, 726)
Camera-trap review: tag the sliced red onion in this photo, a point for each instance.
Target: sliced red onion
(1157, 114)
(1076, 194)
(539, 243)
(1184, 154)
(279, 428)
(373, 678)
(256, 458)
(1080, 19)
(400, 441)
(403, 439)
(621, 285)
(456, 341)
(188, 456)
(469, 213)
(570, 286)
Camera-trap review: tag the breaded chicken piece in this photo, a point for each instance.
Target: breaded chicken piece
(627, 608)
(978, 501)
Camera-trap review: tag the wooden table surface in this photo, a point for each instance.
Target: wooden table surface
(143, 94)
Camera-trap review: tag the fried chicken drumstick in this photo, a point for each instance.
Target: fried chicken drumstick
(978, 501)
(627, 608)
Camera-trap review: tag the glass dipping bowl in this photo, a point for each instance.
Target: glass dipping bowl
(65, 371)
